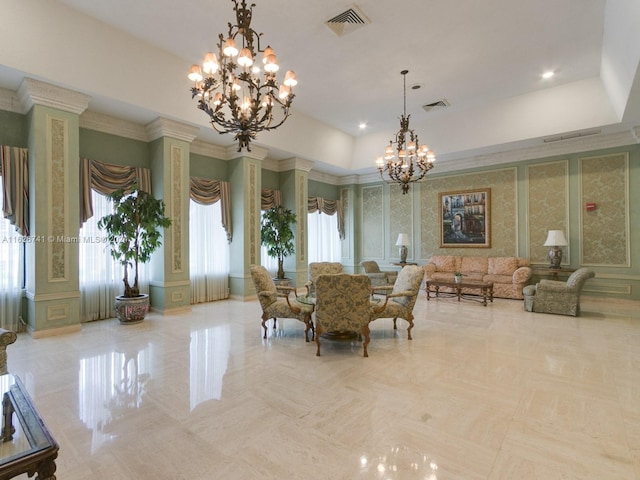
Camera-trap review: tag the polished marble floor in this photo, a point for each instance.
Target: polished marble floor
(479, 393)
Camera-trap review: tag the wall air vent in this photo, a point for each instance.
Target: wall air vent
(436, 105)
(348, 21)
(569, 136)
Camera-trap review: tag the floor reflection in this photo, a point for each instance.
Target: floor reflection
(209, 356)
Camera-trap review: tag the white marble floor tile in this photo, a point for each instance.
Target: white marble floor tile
(487, 393)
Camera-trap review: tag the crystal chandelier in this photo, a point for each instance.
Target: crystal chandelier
(237, 98)
(412, 162)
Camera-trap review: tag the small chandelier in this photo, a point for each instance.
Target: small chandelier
(237, 98)
(403, 169)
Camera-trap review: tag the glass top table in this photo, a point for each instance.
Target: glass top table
(26, 446)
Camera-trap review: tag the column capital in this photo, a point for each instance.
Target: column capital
(163, 127)
(296, 163)
(34, 92)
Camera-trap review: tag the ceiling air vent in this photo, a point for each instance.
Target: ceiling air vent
(436, 105)
(348, 21)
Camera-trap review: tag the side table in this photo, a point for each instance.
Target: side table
(553, 272)
(26, 446)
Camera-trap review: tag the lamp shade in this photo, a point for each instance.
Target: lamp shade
(403, 240)
(555, 238)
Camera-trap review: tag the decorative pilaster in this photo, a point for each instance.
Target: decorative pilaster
(169, 289)
(294, 183)
(245, 178)
(52, 287)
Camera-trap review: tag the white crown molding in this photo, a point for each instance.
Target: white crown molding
(271, 164)
(296, 163)
(563, 147)
(34, 92)
(10, 102)
(208, 149)
(324, 178)
(164, 127)
(256, 153)
(113, 126)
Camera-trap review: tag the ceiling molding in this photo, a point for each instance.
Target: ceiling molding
(34, 92)
(10, 102)
(164, 127)
(113, 126)
(206, 149)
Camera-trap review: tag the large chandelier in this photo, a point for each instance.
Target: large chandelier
(412, 162)
(233, 92)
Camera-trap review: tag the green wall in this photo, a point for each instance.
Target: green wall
(324, 190)
(13, 129)
(270, 180)
(109, 148)
(207, 167)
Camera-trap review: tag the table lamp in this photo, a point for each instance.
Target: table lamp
(402, 242)
(555, 240)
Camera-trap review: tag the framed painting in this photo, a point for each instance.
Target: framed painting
(465, 218)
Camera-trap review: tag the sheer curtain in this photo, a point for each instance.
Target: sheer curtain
(323, 238)
(12, 274)
(100, 275)
(208, 253)
(270, 263)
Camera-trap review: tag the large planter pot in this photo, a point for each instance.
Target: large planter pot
(132, 310)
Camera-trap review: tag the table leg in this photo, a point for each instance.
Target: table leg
(428, 289)
(7, 416)
(458, 291)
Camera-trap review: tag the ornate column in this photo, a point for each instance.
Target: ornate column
(294, 183)
(52, 286)
(169, 288)
(245, 178)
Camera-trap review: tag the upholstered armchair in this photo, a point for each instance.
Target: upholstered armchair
(320, 268)
(7, 337)
(400, 302)
(275, 301)
(343, 304)
(551, 296)
(378, 278)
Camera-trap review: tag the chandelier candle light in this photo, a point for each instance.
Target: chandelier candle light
(410, 157)
(233, 92)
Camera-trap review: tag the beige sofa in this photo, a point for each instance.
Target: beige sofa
(508, 274)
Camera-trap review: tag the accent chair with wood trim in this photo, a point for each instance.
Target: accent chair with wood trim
(378, 277)
(275, 302)
(552, 296)
(343, 304)
(400, 302)
(320, 268)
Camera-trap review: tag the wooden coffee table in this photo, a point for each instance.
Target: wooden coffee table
(484, 289)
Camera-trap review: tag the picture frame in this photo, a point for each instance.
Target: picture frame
(465, 218)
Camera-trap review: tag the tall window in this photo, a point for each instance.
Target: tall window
(208, 253)
(323, 238)
(11, 273)
(100, 275)
(270, 263)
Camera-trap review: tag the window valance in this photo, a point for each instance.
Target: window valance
(208, 192)
(106, 178)
(328, 207)
(270, 199)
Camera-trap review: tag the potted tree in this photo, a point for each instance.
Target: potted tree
(277, 236)
(133, 232)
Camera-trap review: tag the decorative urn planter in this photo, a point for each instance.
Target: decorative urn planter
(131, 309)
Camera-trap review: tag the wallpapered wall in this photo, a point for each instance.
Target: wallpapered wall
(502, 214)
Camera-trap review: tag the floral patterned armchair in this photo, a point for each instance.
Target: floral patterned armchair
(320, 268)
(275, 301)
(343, 303)
(7, 337)
(400, 302)
(378, 278)
(551, 296)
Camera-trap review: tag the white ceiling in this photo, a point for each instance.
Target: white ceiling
(484, 57)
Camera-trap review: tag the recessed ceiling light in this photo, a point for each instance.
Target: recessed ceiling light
(362, 126)
(547, 75)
